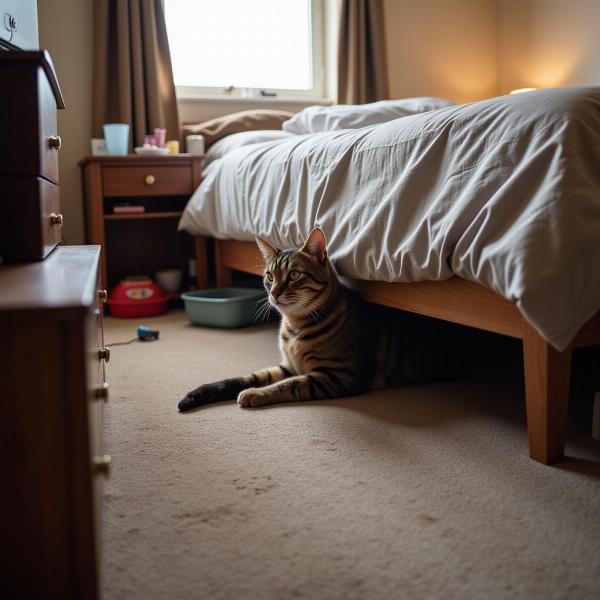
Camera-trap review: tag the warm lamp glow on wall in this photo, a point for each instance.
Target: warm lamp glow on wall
(521, 90)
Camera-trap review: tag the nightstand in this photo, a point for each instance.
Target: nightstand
(141, 243)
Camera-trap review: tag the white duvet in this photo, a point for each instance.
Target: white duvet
(504, 192)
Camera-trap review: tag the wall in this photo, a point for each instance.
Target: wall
(473, 49)
(547, 43)
(442, 48)
(65, 28)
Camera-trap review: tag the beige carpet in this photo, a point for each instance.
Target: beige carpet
(423, 492)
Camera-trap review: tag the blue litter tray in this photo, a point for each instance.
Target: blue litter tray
(223, 307)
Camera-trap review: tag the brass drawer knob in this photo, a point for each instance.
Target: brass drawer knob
(104, 354)
(100, 392)
(150, 180)
(54, 142)
(101, 463)
(103, 295)
(56, 219)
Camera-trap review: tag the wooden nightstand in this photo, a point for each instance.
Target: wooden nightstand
(142, 243)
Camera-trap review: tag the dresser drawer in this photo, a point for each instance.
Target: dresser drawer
(49, 142)
(28, 118)
(31, 223)
(97, 387)
(51, 217)
(151, 180)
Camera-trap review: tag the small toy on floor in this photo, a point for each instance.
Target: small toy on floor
(144, 334)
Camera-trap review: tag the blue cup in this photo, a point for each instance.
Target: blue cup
(116, 136)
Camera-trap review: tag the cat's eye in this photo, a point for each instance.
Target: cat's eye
(294, 275)
(270, 277)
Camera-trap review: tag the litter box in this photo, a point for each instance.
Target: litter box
(223, 307)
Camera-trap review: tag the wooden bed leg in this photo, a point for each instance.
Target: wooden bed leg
(201, 263)
(547, 378)
(223, 275)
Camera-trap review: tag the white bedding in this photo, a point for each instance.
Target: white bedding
(236, 140)
(504, 192)
(354, 116)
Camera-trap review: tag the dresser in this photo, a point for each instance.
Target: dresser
(31, 227)
(53, 388)
(52, 355)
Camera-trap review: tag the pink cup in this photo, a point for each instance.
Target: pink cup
(160, 135)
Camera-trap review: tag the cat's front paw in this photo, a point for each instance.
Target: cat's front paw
(252, 397)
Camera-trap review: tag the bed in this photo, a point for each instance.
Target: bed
(485, 214)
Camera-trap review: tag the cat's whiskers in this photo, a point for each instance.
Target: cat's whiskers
(313, 313)
(262, 311)
(317, 312)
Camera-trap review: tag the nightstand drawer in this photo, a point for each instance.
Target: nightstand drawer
(150, 180)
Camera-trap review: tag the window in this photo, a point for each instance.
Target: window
(231, 46)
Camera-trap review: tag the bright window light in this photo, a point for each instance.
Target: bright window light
(265, 44)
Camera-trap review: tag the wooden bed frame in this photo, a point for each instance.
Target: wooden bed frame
(547, 371)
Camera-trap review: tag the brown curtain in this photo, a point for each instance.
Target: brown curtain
(133, 78)
(362, 69)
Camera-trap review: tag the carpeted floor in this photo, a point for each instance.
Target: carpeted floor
(423, 492)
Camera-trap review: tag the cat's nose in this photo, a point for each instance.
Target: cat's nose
(275, 293)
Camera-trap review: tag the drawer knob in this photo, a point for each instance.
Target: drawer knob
(104, 354)
(100, 392)
(150, 180)
(54, 142)
(102, 463)
(56, 219)
(103, 295)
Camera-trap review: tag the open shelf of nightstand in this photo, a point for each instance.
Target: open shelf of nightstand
(170, 214)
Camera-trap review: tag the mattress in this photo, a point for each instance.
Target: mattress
(504, 192)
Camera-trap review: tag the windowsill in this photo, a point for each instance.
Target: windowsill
(255, 100)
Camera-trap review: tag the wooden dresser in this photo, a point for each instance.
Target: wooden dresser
(52, 384)
(53, 388)
(30, 228)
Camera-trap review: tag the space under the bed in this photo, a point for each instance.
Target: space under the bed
(547, 371)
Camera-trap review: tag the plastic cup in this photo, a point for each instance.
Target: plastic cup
(116, 136)
(160, 135)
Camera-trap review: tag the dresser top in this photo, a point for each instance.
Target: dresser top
(66, 279)
(39, 58)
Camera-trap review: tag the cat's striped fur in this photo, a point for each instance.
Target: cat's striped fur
(332, 343)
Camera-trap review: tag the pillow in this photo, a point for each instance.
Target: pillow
(237, 140)
(355, 116)
(247, 120)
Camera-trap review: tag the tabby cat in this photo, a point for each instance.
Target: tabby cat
(332, 343)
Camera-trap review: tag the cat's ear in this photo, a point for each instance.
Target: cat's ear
(269, 252)
(315, 245)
